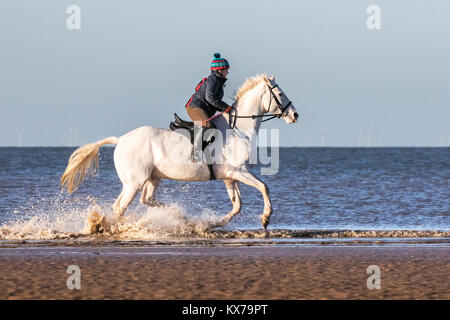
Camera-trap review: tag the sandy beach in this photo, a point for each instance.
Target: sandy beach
(301, 272)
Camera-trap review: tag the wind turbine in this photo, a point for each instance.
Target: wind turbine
(360, 136)
(71, 135)
(20, 134)
(369, 136)
(323, 132)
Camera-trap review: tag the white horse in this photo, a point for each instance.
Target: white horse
(146, 155)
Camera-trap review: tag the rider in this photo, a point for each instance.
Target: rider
(207, 99)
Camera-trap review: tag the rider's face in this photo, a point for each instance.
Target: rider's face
(224, 72)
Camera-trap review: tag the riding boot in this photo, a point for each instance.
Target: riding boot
(199, 141)
(208, 135)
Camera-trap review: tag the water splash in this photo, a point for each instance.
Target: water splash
(48, 224)
(164, 223)
(71, 220)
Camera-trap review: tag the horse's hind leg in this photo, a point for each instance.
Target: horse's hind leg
(235, 196)
(127, 195)
(148, 194)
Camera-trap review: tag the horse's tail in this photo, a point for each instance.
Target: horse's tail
(83, 162)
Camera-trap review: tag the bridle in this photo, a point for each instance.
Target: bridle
(283, 113)
(279, 104)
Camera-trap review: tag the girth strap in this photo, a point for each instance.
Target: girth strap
(211, 172)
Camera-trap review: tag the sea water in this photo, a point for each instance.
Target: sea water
(317, 193)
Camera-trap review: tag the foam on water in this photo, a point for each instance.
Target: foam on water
(70, 219)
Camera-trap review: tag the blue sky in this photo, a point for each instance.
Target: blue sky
(134, 63)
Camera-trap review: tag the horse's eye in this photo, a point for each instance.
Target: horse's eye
(281, 94)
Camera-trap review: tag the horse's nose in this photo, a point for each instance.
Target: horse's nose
(295, 115)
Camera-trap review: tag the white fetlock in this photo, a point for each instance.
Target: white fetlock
(224, 222)
(265, 219)
(218, 224)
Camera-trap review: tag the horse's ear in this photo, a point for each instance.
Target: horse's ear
(272, 78)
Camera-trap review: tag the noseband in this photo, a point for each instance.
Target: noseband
(279, 104)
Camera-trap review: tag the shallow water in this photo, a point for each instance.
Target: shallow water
(318, 193)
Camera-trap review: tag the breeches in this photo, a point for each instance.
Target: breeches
(198, 114)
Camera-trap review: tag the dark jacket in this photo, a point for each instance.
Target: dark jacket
(209, 95)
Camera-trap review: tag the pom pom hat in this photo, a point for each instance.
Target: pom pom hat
(219, 63)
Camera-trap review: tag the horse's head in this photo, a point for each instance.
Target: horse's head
(275, 101)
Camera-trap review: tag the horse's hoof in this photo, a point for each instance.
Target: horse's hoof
(219, 224)
(265, 221)
(97, 223)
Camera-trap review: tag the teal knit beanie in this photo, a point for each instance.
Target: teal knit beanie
(219, 63)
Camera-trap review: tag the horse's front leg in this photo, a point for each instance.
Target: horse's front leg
(248, 178)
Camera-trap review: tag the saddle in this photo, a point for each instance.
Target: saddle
(182, 124)
(189, 125)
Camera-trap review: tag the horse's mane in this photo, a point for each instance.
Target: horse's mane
(250, 83)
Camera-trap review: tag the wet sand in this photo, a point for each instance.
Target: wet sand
(276, 272)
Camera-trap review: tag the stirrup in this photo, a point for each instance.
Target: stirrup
(196, 158)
